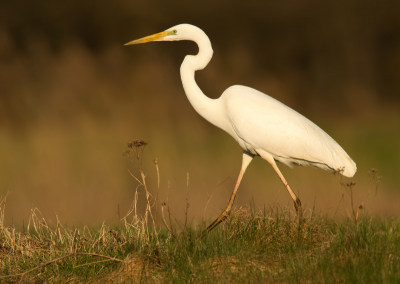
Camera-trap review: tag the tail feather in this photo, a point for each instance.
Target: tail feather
(350, 167)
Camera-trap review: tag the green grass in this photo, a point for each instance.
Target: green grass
(253, 245)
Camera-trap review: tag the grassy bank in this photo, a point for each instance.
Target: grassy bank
(253, 245)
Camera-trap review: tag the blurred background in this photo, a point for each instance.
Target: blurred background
(71, 97)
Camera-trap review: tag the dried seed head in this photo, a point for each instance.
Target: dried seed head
(372, 172)
(136, 144)
(126, 153)
(338, 171)
(156, 161)
(139, 143)
(350, 184)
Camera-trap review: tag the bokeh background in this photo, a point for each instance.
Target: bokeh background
(71, 97)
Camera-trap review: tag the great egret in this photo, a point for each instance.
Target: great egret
(260, 124)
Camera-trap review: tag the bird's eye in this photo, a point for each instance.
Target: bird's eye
(174, 31)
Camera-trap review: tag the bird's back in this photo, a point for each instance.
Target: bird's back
(259, 121)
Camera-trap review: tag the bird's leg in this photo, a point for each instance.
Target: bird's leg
(245, 162)
(296, 200)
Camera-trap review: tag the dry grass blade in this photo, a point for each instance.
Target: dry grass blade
(173, 235)
(251, 246)
(59, 258)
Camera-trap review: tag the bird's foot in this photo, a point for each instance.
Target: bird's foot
(224, 215)
(299, 209)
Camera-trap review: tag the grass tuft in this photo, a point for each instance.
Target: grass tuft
(252, 245)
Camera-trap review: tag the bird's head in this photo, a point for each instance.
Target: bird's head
(178, 32)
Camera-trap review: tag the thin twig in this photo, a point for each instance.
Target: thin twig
(176, 240)
(85, 264)
(162, 213)
(59, 258)
(209, 198)
(158, 186)
(187, 203)
(135, 177)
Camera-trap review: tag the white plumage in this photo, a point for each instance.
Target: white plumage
(288, 136)
(260, 124)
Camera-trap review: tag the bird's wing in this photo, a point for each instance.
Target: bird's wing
(267, 124)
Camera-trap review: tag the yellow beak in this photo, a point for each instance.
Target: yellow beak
(154, 37)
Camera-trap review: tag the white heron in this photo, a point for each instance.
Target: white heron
(260, 124)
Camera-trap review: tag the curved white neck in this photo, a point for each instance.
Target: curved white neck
(206, 107)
